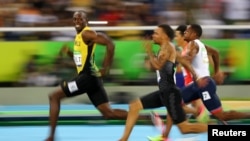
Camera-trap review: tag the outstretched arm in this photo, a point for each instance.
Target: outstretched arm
(218, 76)
(215, 56)
(91, 37)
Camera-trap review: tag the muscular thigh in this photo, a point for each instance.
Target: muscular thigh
(78, 85)
(97, 93)
(190, 93)
(209, 97)
(151, 100)
(172, 100)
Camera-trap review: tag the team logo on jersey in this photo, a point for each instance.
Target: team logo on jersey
(77, 43)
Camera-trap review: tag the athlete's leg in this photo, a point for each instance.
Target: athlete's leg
(67, 89)
(197, 104)
(133, 114)
(190, 95)
(190, 110)
(183, 124)
(213, 104)
(222, 115)
(55, 102)
(151, 100)
(199, 112)
(178, 117)
(99, 98)
(109, 113)
(187, 127)
(230, 115)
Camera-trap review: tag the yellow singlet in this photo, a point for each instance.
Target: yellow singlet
(84, 55)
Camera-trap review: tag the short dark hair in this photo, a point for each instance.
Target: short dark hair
(197, 29)
(182, 29)
(167, 30)
(83, 13)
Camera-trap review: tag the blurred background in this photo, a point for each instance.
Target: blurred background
(33, 58)
(33, 33)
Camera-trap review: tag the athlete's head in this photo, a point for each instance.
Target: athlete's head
(194, 31)
(179, 34)
(163, 33)
(80, 20)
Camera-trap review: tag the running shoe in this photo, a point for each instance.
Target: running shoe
(158, 138)
(204, 116)
(157, 121)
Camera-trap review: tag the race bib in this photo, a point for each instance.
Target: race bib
(206, 96)
(72, 86)
(78, 59)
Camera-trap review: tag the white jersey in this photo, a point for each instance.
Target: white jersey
(200, 62)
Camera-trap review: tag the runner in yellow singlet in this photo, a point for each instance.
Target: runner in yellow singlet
(88, 79)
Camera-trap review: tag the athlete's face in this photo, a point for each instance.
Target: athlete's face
(189, 34)
(178, 38)
(79, 20)
(157, 35)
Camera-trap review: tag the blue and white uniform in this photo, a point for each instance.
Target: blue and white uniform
(207, 94)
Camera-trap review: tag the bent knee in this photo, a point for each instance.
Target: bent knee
(184, 130)
(108, 115)
(106, 111)
(56, 95)
(219, 115)
(135, 105)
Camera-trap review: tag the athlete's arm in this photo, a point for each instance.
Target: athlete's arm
(178, 65)
(90, 37)
(156, 62)
(192, 50)
(65, 49)
(218, 75)
(215, 56)
(186, 64)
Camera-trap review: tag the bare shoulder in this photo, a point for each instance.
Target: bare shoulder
(89, 34)
(171, 48)
(168, 52)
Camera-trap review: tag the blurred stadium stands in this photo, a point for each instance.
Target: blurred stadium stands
(37, 13)
(43, 47)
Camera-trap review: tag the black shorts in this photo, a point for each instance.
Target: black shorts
(86, 83)
(170, 98)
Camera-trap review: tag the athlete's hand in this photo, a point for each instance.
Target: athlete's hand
(64, 50)
(202, 82)
(104, 72)
(148, 46)
(219, 77)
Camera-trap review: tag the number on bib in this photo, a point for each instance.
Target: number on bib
(72, 86)
(206, 95)
(78, 59)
